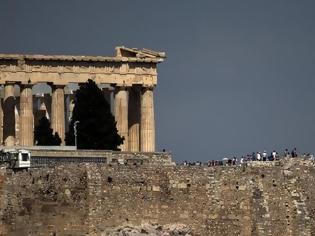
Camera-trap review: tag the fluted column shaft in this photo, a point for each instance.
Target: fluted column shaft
(26, 116)
(121, 115)
(9, 115)
(58, 111)
(134, 119)
(147, 125)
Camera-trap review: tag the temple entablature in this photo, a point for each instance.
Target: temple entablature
(129, 67)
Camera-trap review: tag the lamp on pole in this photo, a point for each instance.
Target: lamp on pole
(75, 133)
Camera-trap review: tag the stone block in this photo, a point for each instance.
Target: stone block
(242, 187)
(156, 188)
(182, 185)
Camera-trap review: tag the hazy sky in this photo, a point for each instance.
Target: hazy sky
(239, 76)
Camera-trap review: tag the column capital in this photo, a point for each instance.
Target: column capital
(147, 87)
(107, 89)
(120, 85)
(10, 83)
(121, 88)
(56, 86)
(26, 85)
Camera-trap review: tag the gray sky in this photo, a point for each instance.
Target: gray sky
(239, 76)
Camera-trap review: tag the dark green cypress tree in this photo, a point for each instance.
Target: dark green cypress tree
(96, 127)
(43, 134)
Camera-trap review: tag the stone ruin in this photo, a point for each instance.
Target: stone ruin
(127, 79)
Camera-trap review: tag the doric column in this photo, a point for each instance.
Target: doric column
(9, 115)
(134, 119)
(58, 111)
(17, 120)
(26, 116)
(147, 125)
(121, 115)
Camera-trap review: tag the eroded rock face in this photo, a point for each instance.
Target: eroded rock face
(149, 229)
(272, 198)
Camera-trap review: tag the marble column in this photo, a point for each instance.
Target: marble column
(9, 115)
(121, 115)
(147, 125)
(134, 119)
(58, 111)
(26, 116)
(17, 120)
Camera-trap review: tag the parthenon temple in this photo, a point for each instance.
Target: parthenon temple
(127, 80)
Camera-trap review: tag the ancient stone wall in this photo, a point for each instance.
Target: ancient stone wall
(44, 157)
(277, 198)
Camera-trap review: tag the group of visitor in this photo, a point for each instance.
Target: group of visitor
(255, 156)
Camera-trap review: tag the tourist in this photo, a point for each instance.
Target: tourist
(242, 160)
(258, 156)
(264, 156)
(274, 154)
(286, 153)
(234, 161)
(294, 153)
